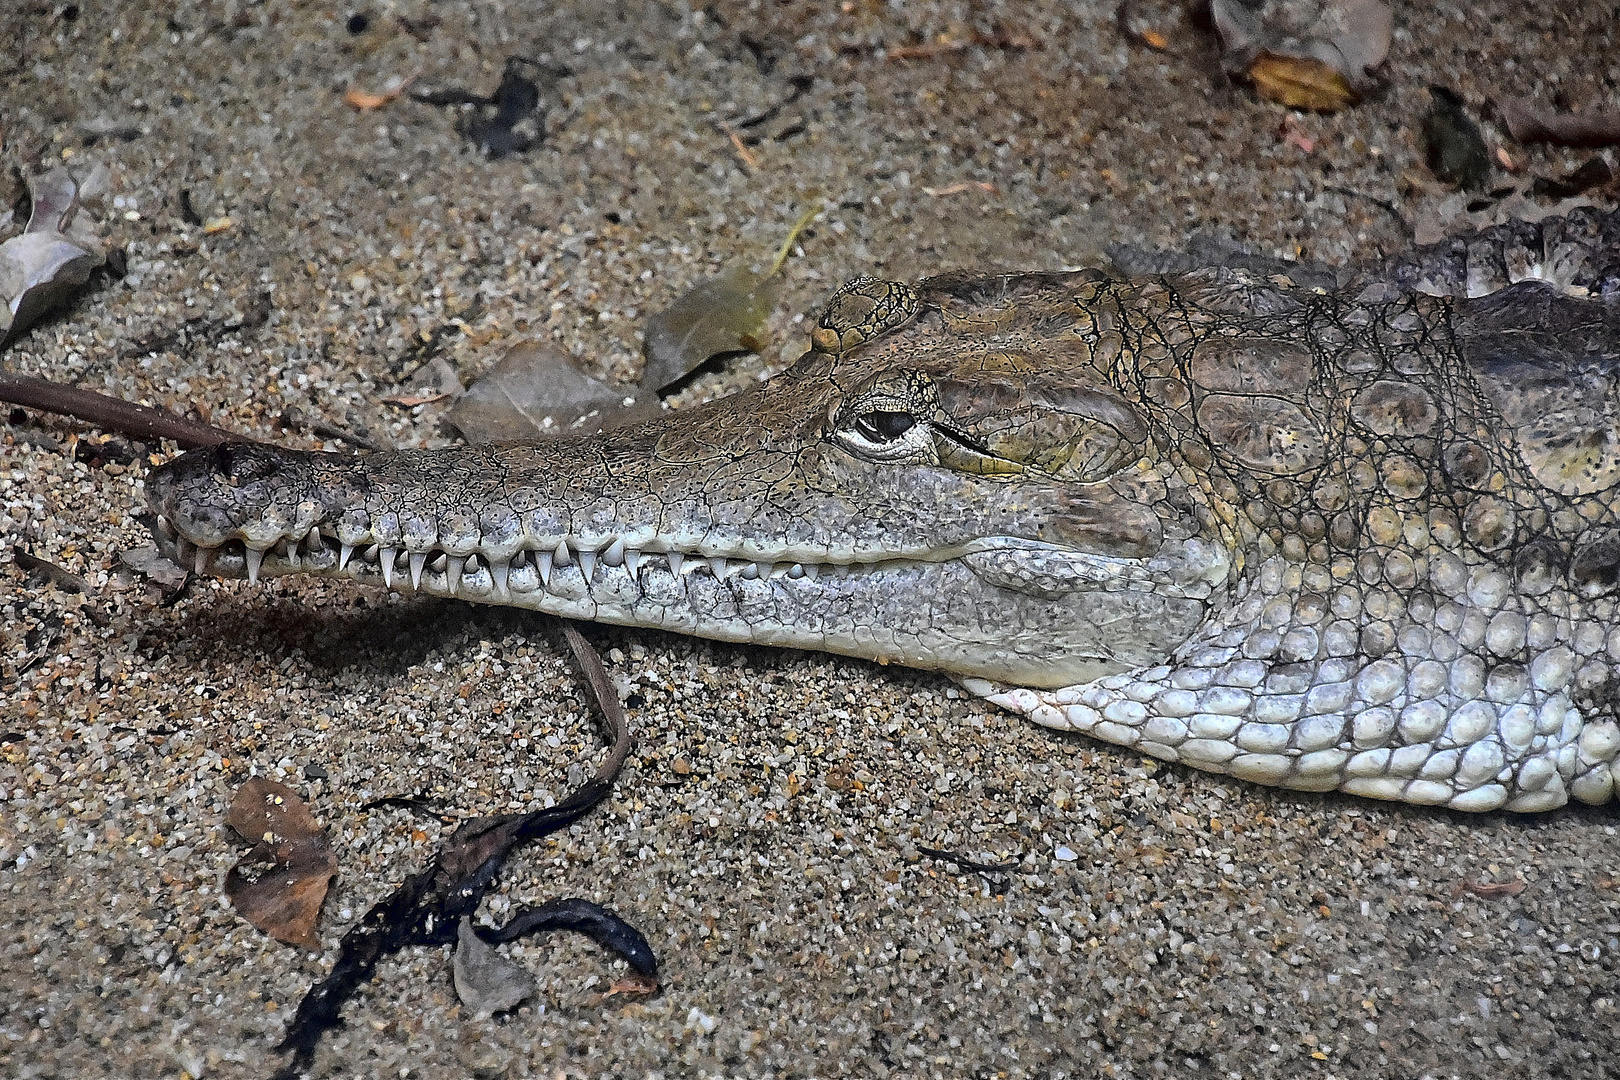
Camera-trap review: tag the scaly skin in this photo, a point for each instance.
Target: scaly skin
(1364, 538)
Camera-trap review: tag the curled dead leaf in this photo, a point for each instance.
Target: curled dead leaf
(52, 258)
(152, 563)
(292, 857)
(1306, 54)
(723, 314)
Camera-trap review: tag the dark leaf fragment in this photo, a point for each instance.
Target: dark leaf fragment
(1594, 173)
(582, 917)
(509, 121)
(285, 900)
(56, 575)
(1452, 145)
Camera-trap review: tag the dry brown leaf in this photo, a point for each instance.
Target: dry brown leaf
(957, 188)
(723, 314)
(633, 984)
(285, 899)
(537, 391)
(1528, 122)
(1300, 83)
(1489, 890)
(366, 100)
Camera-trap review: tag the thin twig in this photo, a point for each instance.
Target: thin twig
(143, 422)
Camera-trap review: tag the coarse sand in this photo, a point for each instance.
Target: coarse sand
(768, 833)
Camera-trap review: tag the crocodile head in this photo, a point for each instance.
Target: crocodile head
(971, 476)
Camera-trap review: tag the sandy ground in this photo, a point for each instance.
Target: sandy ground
(1161, 922)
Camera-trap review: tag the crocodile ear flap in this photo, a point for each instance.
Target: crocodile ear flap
(1076, 433)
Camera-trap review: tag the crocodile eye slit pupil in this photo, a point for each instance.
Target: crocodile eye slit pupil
(884, 426)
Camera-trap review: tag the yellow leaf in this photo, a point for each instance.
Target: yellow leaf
(1300, 83)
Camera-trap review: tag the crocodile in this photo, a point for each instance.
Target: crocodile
(1360, 534)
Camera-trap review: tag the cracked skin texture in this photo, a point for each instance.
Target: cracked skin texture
(1362, 538)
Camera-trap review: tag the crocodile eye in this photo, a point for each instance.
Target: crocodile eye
(882, 427)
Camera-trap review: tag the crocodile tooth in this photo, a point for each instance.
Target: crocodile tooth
(200, 560)
(717, 567)
(499, 572)
(561, 556)
(182, 551)
(614, 554)
(290, 546)
(418, 560)
(453, 567)
(343, 556)
(520, 558)
(812, 571)
(762, 570)
(796, 571)
(385, 558)
(542, 560)
(254, 558)
(632, 560)
(313, 540)
(675, 560)
(587, 564)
